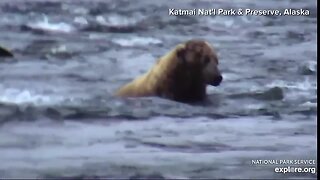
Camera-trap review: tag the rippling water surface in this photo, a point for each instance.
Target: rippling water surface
(58, 116)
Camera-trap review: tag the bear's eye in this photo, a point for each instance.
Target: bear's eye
(206, 60)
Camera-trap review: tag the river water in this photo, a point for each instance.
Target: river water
(59, 118)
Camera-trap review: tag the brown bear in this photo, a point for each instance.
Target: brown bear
(180, 75)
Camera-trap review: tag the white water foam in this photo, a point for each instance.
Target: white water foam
(44, 24)
(309, 104)
(21, 96)
(312, 65)
(118, 20)
(305, 85)
(81, 20)
(136, 41)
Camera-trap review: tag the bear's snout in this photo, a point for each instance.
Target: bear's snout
(217, 80)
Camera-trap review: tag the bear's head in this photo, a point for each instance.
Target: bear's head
(196, 66)
(200, 59)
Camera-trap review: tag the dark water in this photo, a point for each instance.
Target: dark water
(59, 118)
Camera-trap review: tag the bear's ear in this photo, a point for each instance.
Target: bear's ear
(181, 54)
